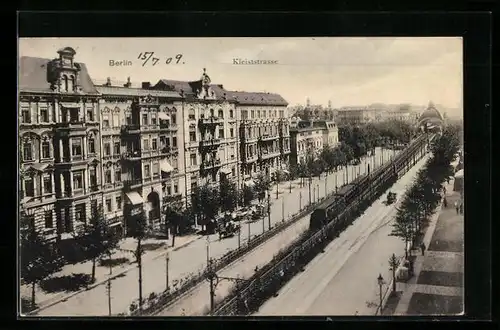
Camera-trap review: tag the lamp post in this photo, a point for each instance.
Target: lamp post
(167, 261)
(249, 234)
(310, 180)
(208, 250)
(300, 200)
(282, 210)
(317, 189)
(108, 286)
(380, 281)
(269, 212)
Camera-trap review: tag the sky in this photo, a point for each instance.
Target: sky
(345, 71)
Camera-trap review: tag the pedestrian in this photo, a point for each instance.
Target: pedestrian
(457, 207)
(444, 191)
(445, 202)
(461, 208)
(422, 248)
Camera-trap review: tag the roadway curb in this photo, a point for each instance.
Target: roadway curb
(132, 266)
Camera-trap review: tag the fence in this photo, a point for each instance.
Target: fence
(290, 261)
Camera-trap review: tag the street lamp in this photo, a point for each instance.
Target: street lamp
(108, 285)
(380, 281)
(208, 250)
(167, 261)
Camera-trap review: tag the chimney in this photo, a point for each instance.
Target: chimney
(108, 81)
(146, 85)
(128, 84)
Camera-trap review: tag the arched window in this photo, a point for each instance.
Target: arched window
(65, 80)
(211, 112)
(220, 113)
(71, 83)
(191, 114)
(231, 114)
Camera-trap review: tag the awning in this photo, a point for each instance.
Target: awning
(226, 171)
(249, 183)
(134, 198)
(459, 174)
(165, 166)
(163, 116)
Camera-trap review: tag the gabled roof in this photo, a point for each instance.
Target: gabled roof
(33, 76)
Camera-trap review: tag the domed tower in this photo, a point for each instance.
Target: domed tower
(431, 118)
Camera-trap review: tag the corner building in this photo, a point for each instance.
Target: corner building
(59, 144)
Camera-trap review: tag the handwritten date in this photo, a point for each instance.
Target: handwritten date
(149, 57)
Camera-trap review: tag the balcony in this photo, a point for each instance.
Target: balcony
(131, 155)
(71, 125)
(268, 137)
(252, 158)
(211, 142)
(167, 150)
(211, 164)
(212, 120)
(132, 183)
(168, 127)
(269, 154)
(130, 129)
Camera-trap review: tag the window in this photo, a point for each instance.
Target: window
(258, 113)
(91, 145)
(233, 171)
(107, 148)
(118, 202)
(169, 190)
(231, 114)
(118, 175)
(211, 112)
(176, 188)
(107, 176)
(26, 115)
(153, 119)
(191, 115)
(78, 180)
(193, 159)
(29, 187)
(253, 114)
(174, 142)
(44, 115)
(192, 136)
(105, 121)
(147, 171)
(49, 223)
(76, 146)
(116, 148)
(173, 118)
(244, 114)
(156, 169)
(167, 141)
(145, 144)
(154, 143)
(128, 119)
(45, 149)
(90, 115)
(27, 151)
(175, 163)
(144, 119)
(220, 113)
(92, 177)
(221, 133)
(108, 205)
(80, 212)
(231, 132)
(47, 184)
(73, 115)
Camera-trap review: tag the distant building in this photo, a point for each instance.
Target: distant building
(308, 137)
(431, 119)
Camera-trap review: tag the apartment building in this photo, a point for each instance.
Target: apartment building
(309, 137)
(210, 131)
(59, 144)
(142, 164)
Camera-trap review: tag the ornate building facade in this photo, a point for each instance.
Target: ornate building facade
(310, 136)
(59, 144)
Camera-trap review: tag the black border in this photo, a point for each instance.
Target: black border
(474, 27)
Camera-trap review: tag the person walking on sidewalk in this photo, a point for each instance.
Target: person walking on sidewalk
(461, 208)
(457, 207)
(422, 248)
(445, 202)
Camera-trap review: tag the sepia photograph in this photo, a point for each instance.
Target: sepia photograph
(240, 176)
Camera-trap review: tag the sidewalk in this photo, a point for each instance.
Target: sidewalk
(45, 299)
(437, 287)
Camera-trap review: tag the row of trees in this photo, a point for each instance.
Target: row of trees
(421, 200)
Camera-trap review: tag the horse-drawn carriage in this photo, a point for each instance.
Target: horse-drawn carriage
(227, 226)
(391, 198)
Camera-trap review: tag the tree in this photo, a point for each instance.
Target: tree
(393, 265)
(138, 229)
(206, 202)
(262, 184)
(248, 195)
(228, 195)
(38, 259)
(317, 167)
(97, 239)
(402, 228)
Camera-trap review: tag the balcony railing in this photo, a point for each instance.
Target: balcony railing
(127, 184)
(211, 142)
(130, 128)
(268, 137)
(211, 120)
(252, 158)
(132, 155)
(71, 125)
(211, 163)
